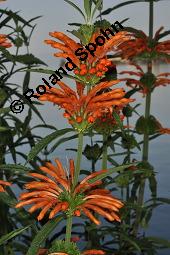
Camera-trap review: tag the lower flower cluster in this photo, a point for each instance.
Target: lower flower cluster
(63, 248)
(57, 193)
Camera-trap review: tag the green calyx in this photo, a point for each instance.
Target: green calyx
(65, 247)
(101, 24)
(85, 32)
(148, 80)
(149, 125)
(74, 201)
(92, 152)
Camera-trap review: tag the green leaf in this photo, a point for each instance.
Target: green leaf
(63, 140)
(45, 141)
(132, 242)
(109, 172)
(5, 21)
(12, 234)
(160, 36)
(31, 105)
(26, 81)
(28, 59)
(119, 122)
(153, 185)
(99, 6)
(3, 129)
(75, 24)
(76, 7)
(46, 71)
(87, 7)
(14, 168)
(42, 235)
(163, 200)
(5, 110)
(161, 241)
(109, 10)
(149, 125)
(15, 16)
(7, 199)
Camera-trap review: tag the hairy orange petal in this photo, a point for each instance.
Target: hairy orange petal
(90, 216)
(37, 206)
(60, 169)
(56, 209)
(93, 252)
(99, 210)
(44, 211)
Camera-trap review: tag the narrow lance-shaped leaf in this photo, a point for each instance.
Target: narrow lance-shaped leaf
(87, 7)
(109, 10)
(14, 168)
(26, 82)
(5, 110)
(63, 140)
(132, 242)
(47, 71)
(75, 7)
(12, 234)
(119, 122)
(99, 5)
(109, 172)
(15, 16)
(164, 243)
(45, 141)
(42, 235)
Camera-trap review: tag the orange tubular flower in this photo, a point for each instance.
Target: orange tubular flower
(147, 81)
(164, 131)
(106, 123)
(58, 253)
(42, 252)
(141, 46)
(4, 41)
(94, 67)
(82, 109)
(56, 193)
(88, 252)
(4, 183)
(93, 252)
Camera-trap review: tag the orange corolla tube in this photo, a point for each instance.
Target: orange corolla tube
(142, 77)
(82, 109)
(3, 184)
(4, 41)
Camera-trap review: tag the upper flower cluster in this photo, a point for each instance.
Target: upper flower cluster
(139, 45)
(91, 61)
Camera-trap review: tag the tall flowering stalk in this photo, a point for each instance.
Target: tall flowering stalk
(145, 153)
(58, 190)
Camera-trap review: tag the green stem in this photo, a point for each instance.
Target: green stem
(68, 228)
(75, 181)
(145, 153)
(146, 136)
(78, 161)
(3, 207)
(128, 161)
(104, 155)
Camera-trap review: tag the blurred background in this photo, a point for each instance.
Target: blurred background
(56, 14)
